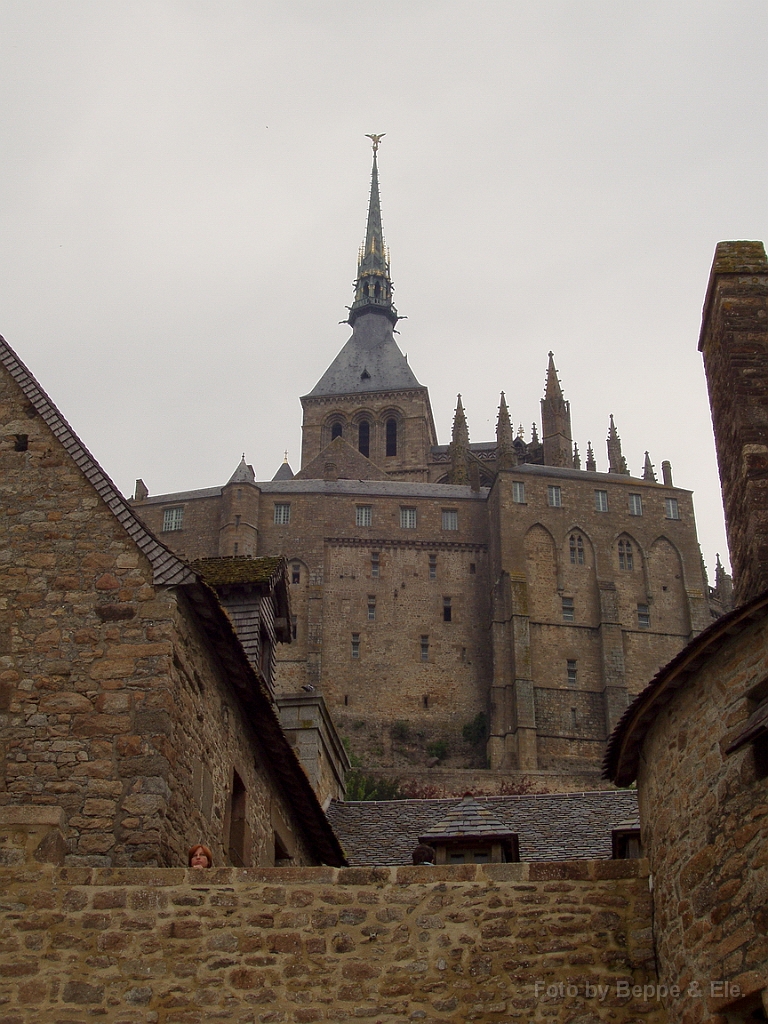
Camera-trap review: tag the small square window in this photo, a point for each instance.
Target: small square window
(643, 617)
(296, 572)
(282, 513)
(601, 501)
(569, 614)
(371, 607)
(425, 649)
(173, 519)
(375, 564)
(671, 508)
(447, 610)
(554, 497)
(570, 667)
(635, 505)
(363, 515)
(433, 567)
(518, 492)
(355, 645)
(408, 518)
(450, 520)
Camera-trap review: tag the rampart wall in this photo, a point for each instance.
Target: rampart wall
(297, 945)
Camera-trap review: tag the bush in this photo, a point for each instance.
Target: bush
(438, 749)
(366, 787)
(476, 731)
(400, 732)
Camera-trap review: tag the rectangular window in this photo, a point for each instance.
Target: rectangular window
(447, 609)
(643, 617)
(433, 567)
(568, 610)
(635, 505)
(601, 501)
(472, 568)
(282, 513)
(371, 607)
(355, 645)
(425, 648)
(554, 497)
(375, 564)
(173, 518)
(363, 515)
(296, 573)
(294, 627)
(570, 667)
(671, 508)
(408, 518)
(518, 492)
(450, 519)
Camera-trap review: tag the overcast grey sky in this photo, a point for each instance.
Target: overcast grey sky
(185, 188)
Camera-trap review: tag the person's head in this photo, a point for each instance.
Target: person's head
(423, 854)
(200, 856)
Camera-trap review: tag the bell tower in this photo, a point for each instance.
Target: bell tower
(369, 395)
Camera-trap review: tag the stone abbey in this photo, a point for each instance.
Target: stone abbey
(462, 606)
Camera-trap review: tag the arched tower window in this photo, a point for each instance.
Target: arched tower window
(364, 438)
(392, 436)
(336, 431)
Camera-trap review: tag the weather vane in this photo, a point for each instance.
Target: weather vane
(376, 139)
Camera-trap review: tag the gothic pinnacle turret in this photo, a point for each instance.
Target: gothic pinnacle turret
(505, 438)
(459, 446)
(556, 421)
(373, 287)
(616, 461)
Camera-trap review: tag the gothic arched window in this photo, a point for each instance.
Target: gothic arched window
(364, 438)
(392, 436)
(625, 555)
(577, 549)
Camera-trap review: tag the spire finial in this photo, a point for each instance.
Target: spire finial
(376, 139)
(373, 287)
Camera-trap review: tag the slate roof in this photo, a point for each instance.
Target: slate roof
(370, 361)
(285, 472)
(239, 569)
(549, 826)
(469, 820)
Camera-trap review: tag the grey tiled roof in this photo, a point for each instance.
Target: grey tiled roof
(370, 361)
(549, 826)
(403, 488)
(468, 819)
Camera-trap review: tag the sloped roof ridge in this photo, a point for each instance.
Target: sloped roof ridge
(167, 568)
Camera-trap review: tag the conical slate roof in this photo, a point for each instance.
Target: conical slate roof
(243, 474)
(285, 472)
(370, 361)
(467, 819)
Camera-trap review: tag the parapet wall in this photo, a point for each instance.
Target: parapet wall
(551, 942)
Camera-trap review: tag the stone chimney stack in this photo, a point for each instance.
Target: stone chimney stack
(734, 341)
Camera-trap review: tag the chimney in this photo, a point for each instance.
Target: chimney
(734, 342)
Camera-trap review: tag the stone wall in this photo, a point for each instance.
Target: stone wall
(704, 817)
(515, 942)
(734, 342)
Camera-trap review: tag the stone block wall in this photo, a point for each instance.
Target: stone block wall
(734, 343)
(704, 817)
(519, 942)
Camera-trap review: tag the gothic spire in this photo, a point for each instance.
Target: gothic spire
(460, 433)
(505, 438)
(556, 421)
(616, 461)
(648, 472)
(552, 388)
(591, 464)
(373, 287)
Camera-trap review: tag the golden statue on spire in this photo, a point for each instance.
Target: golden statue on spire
(376, 139)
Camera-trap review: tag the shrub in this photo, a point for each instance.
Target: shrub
(438, 749)
(476, 731)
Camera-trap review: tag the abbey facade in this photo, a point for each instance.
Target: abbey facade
(468, 605)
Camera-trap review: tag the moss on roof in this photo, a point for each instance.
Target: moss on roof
(238, 569)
